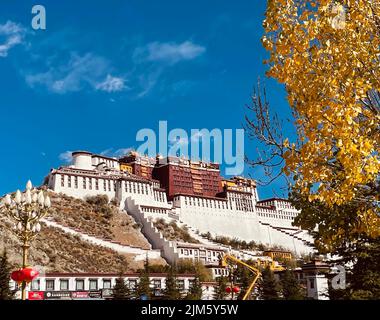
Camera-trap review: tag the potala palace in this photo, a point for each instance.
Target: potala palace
(191, 193)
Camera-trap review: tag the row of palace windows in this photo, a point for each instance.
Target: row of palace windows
(108, 163)
(94, 284)
(153, 210)
(88, 183)
(183, 183)
(276, 216)
(280, 204)
(196, 252)
(135, 187)
(221, 272)
(205, 203)
(243, 204)
(159, 196)
(107, 185)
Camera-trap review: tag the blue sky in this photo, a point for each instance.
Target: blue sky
(102, 70)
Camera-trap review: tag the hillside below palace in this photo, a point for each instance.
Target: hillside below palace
(192, 193)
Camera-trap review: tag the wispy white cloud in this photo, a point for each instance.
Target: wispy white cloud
(155, 57)
(72, 76)
(169, 52)
(66, 156)
(112, 84)
(80, 72)
(12, 35)
(68, 71)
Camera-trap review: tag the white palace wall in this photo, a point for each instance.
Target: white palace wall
(242, 225)
(237, 216)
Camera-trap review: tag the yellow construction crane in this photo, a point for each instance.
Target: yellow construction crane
(227, 257)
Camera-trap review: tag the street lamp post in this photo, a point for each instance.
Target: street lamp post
(26, 209)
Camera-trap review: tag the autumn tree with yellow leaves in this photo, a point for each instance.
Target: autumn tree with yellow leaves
(327, 54)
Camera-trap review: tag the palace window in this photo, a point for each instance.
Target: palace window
(90, 183)
(62, 181)
(79, 284)
(35, 285)
(76, 182)
(93, 284)
(96, 184)
(84, 183)
(106, 284)
(69, 181)
(49, 285)
(64, 284)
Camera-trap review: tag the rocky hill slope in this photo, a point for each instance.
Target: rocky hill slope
(98, 217)
(58, 251)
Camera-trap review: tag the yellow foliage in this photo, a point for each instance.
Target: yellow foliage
(328, 56)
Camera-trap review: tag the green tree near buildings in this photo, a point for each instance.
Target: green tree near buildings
(5, 273)
(269, 287)
(220, 289)
(197, 267)
(290, 287)
(363, 277)
(361, 257)
(195, 292)
(143, 287)
(121, 290)
(172, 291)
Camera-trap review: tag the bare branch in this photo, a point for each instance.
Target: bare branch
(265, 127)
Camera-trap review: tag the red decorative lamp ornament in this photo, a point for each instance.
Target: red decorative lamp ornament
(236, 289)
(29, 274)
(26, 274)
(17, 276)
(228, 289)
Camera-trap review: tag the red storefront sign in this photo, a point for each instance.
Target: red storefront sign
(80, 295)
(35, 295)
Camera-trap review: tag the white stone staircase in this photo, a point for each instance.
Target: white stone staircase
(168, 248)
(288, 234)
